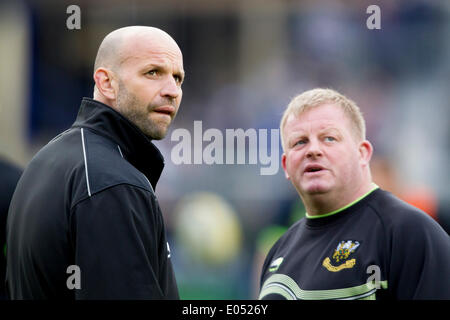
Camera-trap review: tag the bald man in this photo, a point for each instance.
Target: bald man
(84, 221)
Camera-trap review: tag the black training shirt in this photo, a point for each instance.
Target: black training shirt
(376, 248)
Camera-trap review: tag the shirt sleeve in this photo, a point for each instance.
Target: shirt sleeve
(265, 273)
(115, 236)
(420, 259)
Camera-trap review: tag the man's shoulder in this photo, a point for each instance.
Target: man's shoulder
(105, 165)
(287, 238)
(397, 215)
(82, 162)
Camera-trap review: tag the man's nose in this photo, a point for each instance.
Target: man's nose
(170, 88)
(314, 149)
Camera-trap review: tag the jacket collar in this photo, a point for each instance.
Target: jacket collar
(136, 147)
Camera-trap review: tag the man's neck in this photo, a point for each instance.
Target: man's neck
(324, 204)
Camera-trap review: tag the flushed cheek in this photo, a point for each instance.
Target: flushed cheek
(146, 91)
(345, 173)
(293, 165)
(349, 172)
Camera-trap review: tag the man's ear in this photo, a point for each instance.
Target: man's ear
(283, 164)
(365, 152)
(106, 83)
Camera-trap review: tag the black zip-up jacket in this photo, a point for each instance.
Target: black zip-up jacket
(84, 221)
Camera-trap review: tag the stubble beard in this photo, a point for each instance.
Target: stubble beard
(138, 113)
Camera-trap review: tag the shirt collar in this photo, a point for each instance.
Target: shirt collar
(326, 218)
(135, 146)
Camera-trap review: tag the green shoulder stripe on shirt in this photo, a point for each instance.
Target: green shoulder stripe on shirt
(281, 282)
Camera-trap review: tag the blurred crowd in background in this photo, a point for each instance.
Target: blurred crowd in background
(244, 61)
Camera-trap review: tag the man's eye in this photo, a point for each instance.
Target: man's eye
(300, 142)
(153, 72)
(330, 139)
(178, 79)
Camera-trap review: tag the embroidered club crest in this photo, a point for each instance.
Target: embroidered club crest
(341, 256)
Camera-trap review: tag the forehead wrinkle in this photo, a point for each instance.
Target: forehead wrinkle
(330, 129)
(297, 127)
(315, 117)
(162, 57)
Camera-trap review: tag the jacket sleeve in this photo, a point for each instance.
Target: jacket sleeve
(115, 236)
(420, 259)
